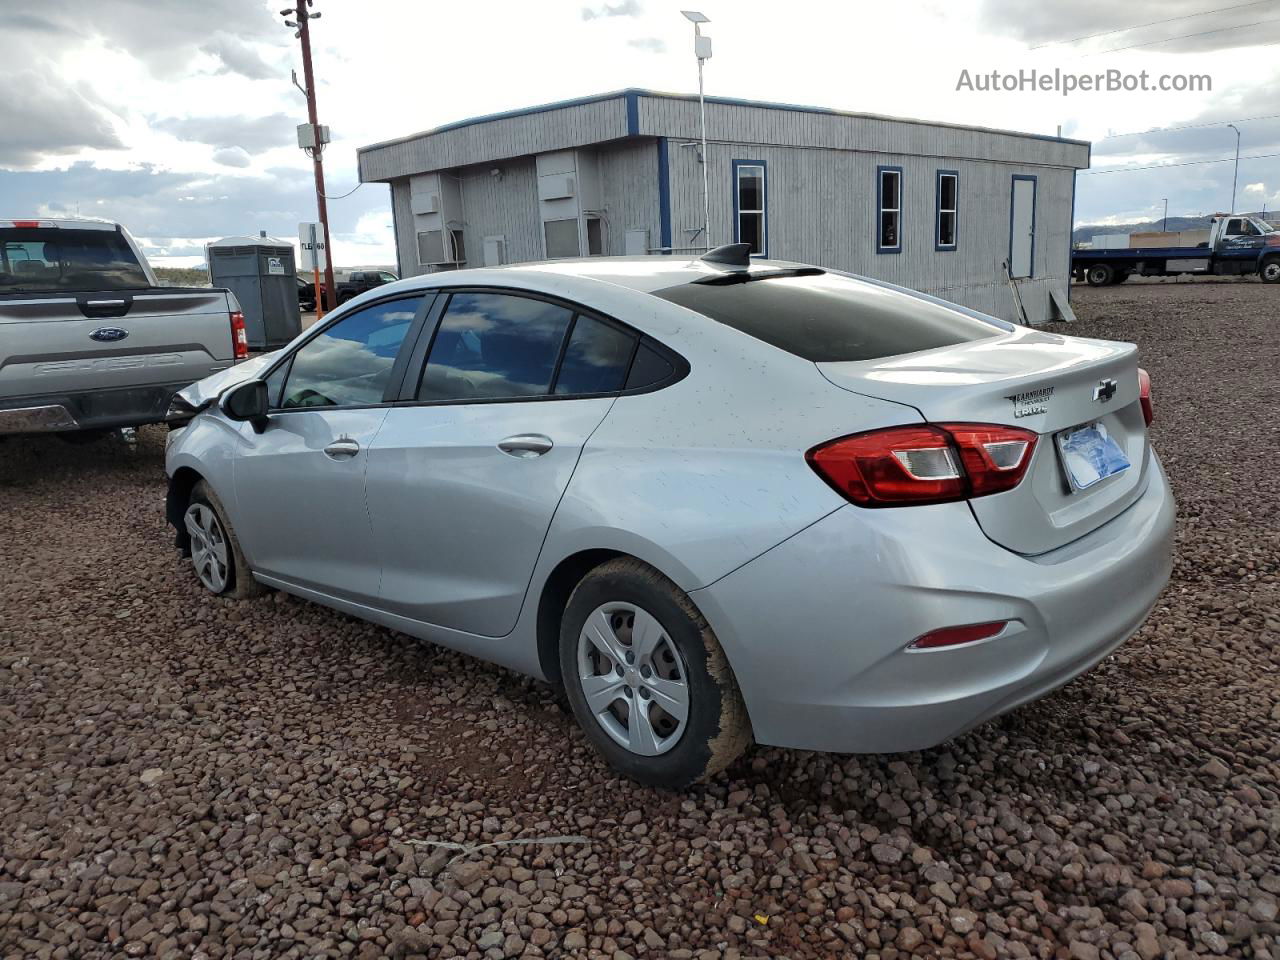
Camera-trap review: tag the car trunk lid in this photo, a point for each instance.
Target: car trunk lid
(1038, 381)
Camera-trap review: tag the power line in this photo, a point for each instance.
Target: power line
(343, 196)
(1153, 23)
(1185, 36)
(1189, 126)
(1166, 166)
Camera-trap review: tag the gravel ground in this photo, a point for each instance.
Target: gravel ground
(184, 776)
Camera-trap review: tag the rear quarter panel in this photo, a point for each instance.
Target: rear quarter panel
(704, 475)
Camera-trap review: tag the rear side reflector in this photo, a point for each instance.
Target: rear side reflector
(925, 463)
(1144, 396)
(239, 335)
(955, 636)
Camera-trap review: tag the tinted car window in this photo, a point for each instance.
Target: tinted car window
(596, 359)
(492, 346)
(350, 363)
(828, 318)
(650, 367)
(49, 259)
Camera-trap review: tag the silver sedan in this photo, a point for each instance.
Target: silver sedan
(715, 501)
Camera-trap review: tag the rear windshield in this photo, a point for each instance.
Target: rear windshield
(829, 318)
(52, 259)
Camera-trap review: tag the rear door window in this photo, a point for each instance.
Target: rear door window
(492, 346)
(596, 359)
(54, 259)
(827, 318)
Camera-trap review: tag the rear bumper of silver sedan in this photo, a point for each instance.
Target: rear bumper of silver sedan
(817, 630)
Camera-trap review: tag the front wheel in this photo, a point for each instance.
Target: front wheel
(215, 550)
(1099, 275)
(1270, 272)
(647, 679)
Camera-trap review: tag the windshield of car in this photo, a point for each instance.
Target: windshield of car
(828, 318)
(52, 259)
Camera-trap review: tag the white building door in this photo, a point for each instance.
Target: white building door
(1022, 226)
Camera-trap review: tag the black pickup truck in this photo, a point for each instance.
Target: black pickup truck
(362, 280)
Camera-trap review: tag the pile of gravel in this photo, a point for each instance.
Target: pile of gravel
(184, 776)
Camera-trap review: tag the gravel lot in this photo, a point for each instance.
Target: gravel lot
(185, 777)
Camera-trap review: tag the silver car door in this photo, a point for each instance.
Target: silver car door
(465, 477)
(299, 484)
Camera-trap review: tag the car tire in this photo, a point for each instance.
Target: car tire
(1270, 271)
(219, 562)
(671, 659)
(1099, 274)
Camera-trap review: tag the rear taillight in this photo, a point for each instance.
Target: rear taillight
(1144, 396)
(926, 463)
(239, 335)
(955, 636)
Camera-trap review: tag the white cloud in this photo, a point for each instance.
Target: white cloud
(232, 157)
(625, 8)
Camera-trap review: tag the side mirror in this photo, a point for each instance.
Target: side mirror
(248, 402)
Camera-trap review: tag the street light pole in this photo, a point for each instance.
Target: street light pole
(1236, 175)
(1164, 225)
(702, 50)
(304, 16)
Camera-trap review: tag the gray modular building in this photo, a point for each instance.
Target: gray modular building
(937, 207)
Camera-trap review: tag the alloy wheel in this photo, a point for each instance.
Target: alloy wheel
(208, 546)
(633, 678)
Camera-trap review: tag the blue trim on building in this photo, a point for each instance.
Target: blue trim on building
(633, 112)
(1035, 190)
(880, 170)
(664, 195)
(938, 245)
(634, 93)
(764, 189)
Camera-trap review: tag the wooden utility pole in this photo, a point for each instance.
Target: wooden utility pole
(304, 16)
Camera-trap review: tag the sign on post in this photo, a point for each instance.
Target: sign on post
(311, 242)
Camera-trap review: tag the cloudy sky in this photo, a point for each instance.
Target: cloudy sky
(178, 118)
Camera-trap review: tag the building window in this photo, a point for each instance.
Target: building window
(889, 206)
(750, 224)
(948, 204)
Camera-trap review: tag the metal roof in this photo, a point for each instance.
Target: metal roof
(629, 92)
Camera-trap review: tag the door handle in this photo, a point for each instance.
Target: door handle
(526, 445)
(344, 448)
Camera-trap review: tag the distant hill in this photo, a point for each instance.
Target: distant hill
(182, 276)
(1088, 231)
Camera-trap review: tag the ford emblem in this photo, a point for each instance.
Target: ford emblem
(109, 334)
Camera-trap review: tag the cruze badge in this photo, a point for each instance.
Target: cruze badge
(1030, 402)
(1104, 391)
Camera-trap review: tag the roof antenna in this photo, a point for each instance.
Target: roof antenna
(731, 254)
